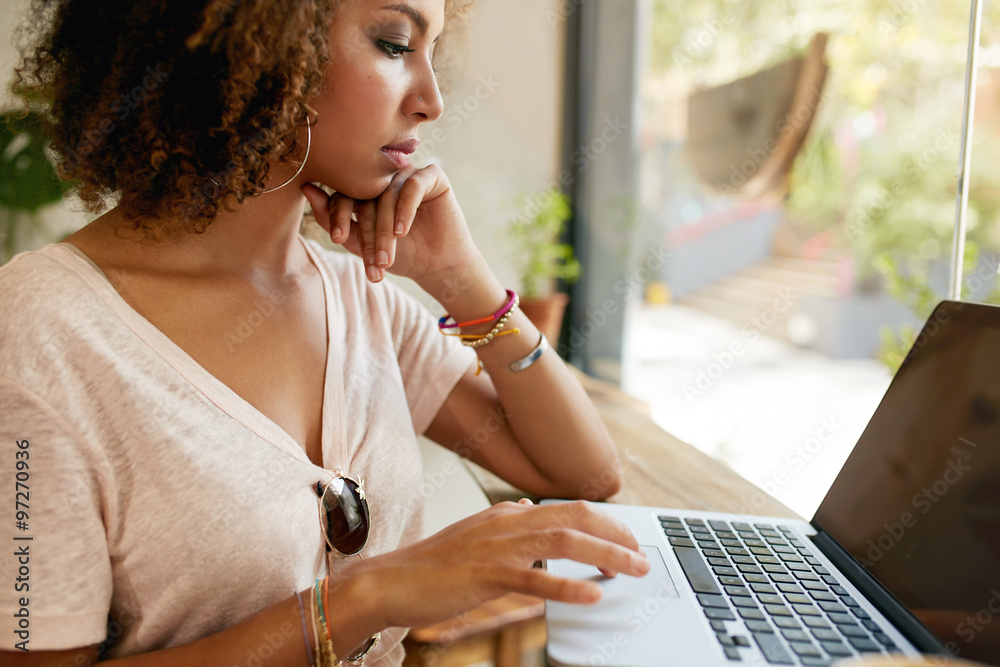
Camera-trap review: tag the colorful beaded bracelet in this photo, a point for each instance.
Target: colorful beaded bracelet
(507, 307)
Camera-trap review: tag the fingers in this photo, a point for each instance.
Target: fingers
(580, 515)
(367, 215)
(545, 585)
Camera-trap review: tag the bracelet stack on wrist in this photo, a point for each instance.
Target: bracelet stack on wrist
(500, 317)
(323, 655)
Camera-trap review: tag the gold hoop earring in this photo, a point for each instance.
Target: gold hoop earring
(297, 172)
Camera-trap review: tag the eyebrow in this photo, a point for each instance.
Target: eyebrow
(418, 19)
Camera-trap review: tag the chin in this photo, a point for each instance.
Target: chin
(369, 188)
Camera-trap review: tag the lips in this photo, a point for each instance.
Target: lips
(399, 154)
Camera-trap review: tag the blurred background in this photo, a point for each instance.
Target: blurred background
(741, 211)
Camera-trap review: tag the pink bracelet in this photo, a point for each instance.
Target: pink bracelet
(511, 298)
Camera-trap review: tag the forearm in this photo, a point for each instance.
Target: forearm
(549, 413)
(274, 636)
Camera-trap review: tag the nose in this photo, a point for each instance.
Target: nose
(425, 98)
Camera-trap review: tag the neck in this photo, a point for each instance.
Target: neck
(258, 236)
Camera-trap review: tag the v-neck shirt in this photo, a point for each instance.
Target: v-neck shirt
(162, 499)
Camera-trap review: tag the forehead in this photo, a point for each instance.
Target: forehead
(423, 13)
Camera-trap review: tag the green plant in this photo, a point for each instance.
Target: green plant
(28, 179)
(535, 239)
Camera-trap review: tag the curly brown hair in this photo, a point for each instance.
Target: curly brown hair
(169, 111)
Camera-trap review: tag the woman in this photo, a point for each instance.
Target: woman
(211, 388)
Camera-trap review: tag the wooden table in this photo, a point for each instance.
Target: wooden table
(659, 470)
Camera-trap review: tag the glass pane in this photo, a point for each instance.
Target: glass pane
(799, 164)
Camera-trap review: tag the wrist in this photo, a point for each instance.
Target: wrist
(353, 616)
(467, 291)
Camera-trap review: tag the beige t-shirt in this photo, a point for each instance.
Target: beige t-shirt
(155, 493)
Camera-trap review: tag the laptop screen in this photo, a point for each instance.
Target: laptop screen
(918, 501)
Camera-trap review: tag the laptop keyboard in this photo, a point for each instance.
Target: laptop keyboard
(793, 609)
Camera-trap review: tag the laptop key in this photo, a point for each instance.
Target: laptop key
(719, 614)
(731, 543)
(837, 649)
(790, 558)
(827, 635)
(850, 602)
(797, 566)
(758, 626)
(824, 596)
(718, 626)
(736, 591)
(782, 578)
(675, 532)
(803, 648)
(775, 569)
(748, 569)
(815, 661)
(781, 548)
(789, 588)
(694, 522)
(835, 607)
(737, 551)
(786, 623)
(770, 598)
(742, 526)
(852, 630)
(822, 570)
(719, 525)
(864, 645)
(840, 590)
(813, 585)
(806, 610)
(732, 652)
(794, 598)
(713, 553)
(750, 614)
(815, 622)
(860, 613)
(741, 640)
(795, 635)
(744, 602)
(718, 561)
(725, 535)
(871, 625)
(829, 578)
(724, 639)
(806, 576)
(725, 571)
(777, 610)
(743, 559)
(842, 619)
(706, 600)
(680, 542)
(756, 579)
(763, 588)
(772, 648)
(671, 519)
(884, 639)
(731, 581)
(697, 571)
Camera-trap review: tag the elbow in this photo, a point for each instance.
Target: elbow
(600, 483)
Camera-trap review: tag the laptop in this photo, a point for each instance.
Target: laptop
(902, 556)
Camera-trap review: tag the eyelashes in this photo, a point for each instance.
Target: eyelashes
(392, 49)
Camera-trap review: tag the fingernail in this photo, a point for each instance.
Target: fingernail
(373, 273)
(641, 562)
(335, 235)
(383, 258)
(399, 227)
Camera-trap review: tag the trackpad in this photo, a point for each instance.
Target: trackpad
(657, 583)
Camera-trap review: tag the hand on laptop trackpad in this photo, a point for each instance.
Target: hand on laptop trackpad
(656, 583)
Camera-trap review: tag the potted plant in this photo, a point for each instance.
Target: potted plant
(28, 180)
(541, 258)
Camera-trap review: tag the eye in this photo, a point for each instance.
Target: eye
(394, 50)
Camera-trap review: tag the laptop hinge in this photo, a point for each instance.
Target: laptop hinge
(878, 595)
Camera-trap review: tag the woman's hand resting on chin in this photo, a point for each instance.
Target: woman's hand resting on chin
(415, 227)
